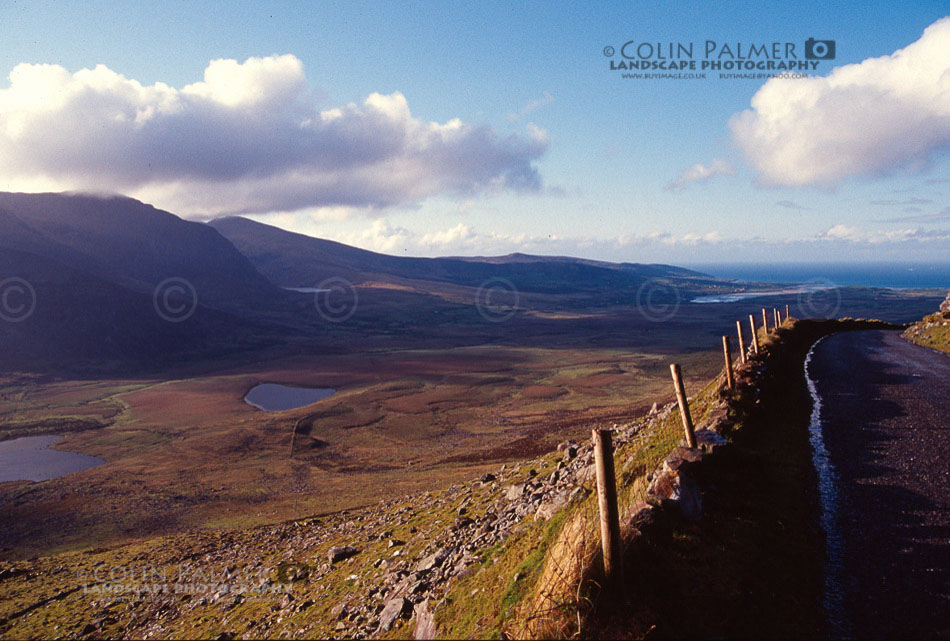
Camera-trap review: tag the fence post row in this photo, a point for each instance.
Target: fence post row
(684, 406)
(741, 341)
(611, 543)
(755, 337)
(727, 353)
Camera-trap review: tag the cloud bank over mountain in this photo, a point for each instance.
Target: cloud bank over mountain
(249, 138)
(874, 118)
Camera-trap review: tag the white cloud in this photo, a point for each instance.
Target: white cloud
(531, 106)
(843, 232)
(248, 138)
(701, 173)
(880, 116)
(666, 247)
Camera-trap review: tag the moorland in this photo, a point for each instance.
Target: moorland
(444, 368)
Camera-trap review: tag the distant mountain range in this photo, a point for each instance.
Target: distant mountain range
(296, 260)
(114, 283)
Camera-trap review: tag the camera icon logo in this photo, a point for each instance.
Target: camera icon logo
(819, 49)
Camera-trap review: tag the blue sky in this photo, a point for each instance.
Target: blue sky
(576, 159)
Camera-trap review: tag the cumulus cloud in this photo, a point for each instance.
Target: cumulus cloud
(843, 232)
(249, 137)
(701, 173)
(876, 117)
(462, 239)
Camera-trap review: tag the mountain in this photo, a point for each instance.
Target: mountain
(107, 283)
(295, 260)
(79, 278)
(134, 245)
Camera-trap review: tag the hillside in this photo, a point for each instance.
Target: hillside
(934, 330)
(88, 296)
(296, 260)
(116, 285)
(513, 552)
(134, 245)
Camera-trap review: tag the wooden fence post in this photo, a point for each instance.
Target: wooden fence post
(741, 341)
(765, 322)
(755, 337)
(611, 542)
(778, 317)
(684, 406)
(786, 312)
(727, 353)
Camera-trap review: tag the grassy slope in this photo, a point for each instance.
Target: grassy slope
(933, 332)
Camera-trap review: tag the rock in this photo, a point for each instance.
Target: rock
(425, 622)
(340, 553)
(394, 609)
(548, 508)
(432, 561)
(681, 456)
(514, 492)
(674, 489)
(418, 587)
(488, 478)
(577, 492)
(586, 474)
(654, 409)
(709, 441)
(945, 307)
(394, 542)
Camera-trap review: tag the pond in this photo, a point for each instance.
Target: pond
(272, 397)
(29, 458)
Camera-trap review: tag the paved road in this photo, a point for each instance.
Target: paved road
(886, 423)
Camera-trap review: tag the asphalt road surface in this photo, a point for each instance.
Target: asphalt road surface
(885, 418)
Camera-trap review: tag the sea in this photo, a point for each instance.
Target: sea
(889, 275)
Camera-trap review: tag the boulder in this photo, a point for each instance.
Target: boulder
(945, 307)
(425, 622)
(341, 552)
(432, 561)
(514, 492)
(550, 507)
(710, 441)
(394, 609)
(673, 489)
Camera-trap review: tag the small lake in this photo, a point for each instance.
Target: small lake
(272, 397)
(29, 459)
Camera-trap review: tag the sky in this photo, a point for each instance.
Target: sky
(439, 128)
